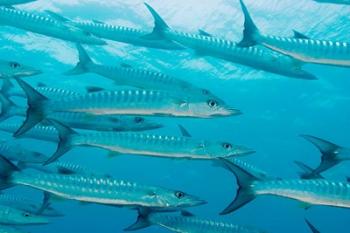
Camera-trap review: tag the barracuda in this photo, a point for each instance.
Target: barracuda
(345, 2)
(119, 33)
(100, 190)
(185, 223)
(207, 45)
(10, 69)
(126, 75)
(14, 2)
(146, 144)
(332, 155)
(303, 49)
(15, 152)
(313, 192)
(122, 102)
(13, 216)
(82, 120)
(46, 26)
(27, 205)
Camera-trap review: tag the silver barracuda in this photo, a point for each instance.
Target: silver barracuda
(208, 45)
(13, 216)
(146, 144)
(44, 25)
(14, 2)
(100, 190)
(119, 33)
(15, 152)
(186, 223)
(312, 192)
(27, 205)
(123, 102)
(304, 49)
(126, 75)
(332, 155)
(10, 69)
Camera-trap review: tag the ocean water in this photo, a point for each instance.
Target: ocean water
(276, 109)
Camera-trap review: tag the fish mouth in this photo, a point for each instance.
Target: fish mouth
(242, 151)
(234, 112)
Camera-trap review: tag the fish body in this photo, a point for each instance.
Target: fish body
(27, 205)
(313, 192)
(146, 144)
(126, 75)
(208, 45)
(13, 216)
(46, 26)
(122, 102)
(97, 189)
(308, 50)
(186, 224)
(10, 69)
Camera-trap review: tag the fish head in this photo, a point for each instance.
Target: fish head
(174, 199)
(14, 69)
(20, 217)
(226, 149)
(209, 107)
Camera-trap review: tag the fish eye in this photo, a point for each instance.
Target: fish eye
(179, 194)
(139, 119)
(26, 214)
(227, 146)
(212, 103)
(14, 65)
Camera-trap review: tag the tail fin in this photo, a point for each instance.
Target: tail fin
(6, 170)
(328, 149)
(64, 145)
(142, 220)
(245, 193)
(35, 110)
(308, 172)
(84, 59)
(251, 31)
(159, 25)
(312, 227)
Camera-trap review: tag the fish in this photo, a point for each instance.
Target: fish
(344, 2)
(312, 227)
(27, 205)
(185, 223)
(120, 33)
(14, 2)
(39, 132)
(145, 144)
(123, 102)
(99, 190)
(10, 69)
(48, 26)
(8, 229)
(13, 216)
(15, 152)
(126, 75)
(205, 44)
(81, 120)
(308, 50)
(332, 155)
(311, 192)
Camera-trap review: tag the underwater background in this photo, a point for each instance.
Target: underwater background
(276, 109)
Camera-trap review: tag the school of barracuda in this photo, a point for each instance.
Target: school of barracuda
(114, 120)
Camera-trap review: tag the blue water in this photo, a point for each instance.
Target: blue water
(276, 109)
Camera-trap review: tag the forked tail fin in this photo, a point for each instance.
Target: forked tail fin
(81, 66)
(250, 32)
(160, 26)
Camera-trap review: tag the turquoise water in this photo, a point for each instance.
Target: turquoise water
(276, 109)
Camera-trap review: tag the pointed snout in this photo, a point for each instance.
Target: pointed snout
(243, 151)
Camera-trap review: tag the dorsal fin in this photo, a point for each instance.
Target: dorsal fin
(57, 16)
(204, 33)
(125, 65)
(97, 21)
(91, 89)
(184, 131)
(300, 35)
